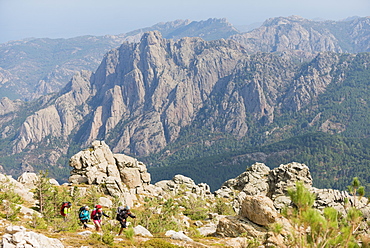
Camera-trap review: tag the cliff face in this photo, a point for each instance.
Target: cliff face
(143, 94)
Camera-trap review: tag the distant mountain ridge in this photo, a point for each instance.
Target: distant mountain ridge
(296, 33)
(34, 67)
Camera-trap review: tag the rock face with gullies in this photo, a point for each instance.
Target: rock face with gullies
(8, 106)
(59, 118)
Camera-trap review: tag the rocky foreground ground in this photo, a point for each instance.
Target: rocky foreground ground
(258, 196)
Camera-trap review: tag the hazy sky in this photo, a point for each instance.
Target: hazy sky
(21, 19)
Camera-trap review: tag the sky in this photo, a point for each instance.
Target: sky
(20, 19)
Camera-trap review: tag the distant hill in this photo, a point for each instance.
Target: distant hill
(351, 35)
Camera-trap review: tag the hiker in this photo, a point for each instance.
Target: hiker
(84, 215)
(96, 215)
(65, 210)
(122, 214)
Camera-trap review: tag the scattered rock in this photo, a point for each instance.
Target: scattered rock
(208, 229)
(85, 233)
(177, 235)
(140, 230)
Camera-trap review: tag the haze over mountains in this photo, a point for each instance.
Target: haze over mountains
(200, 95)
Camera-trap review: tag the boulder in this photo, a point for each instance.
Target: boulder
(142, 231)
(253, 181)
(131, 177)
(185, 185)
(177, 235)
(85, 233)
(208, 229)
(28, 180)
(235, 226)
(8, 182)
(259, 209)
(105, 202)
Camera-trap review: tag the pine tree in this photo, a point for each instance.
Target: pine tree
(44, 193)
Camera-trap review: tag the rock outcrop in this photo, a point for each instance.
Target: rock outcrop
(260, 194)
(18, 237)
(126, 177)
(182, 184)
(118, 172)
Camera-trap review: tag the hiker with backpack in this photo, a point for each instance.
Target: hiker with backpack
(84, 215)
(122, 214)
(65, 210)
(96, 215)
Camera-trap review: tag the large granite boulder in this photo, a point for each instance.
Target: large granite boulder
(118, 172)
(235, 226)
(259, 209)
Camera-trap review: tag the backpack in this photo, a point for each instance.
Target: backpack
(95, 213)
(80, 211)
(119, 209)
(64, 205)
(122, 214)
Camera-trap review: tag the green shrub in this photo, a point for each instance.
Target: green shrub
(70, 224)
(158, 243)
(222, 207)
(158, 215)
(108, 238)
(195, 208)
(313, 228)
(129, 233)
(38, 222)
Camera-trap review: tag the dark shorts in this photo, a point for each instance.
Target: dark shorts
(123, 224)
(84, 221)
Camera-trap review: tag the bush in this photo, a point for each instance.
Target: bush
(129, 233)
(158, 215)
(38, 222)
(108, 238)
(313, 228)
(158, 243)
(196, 208)
(221, 207)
